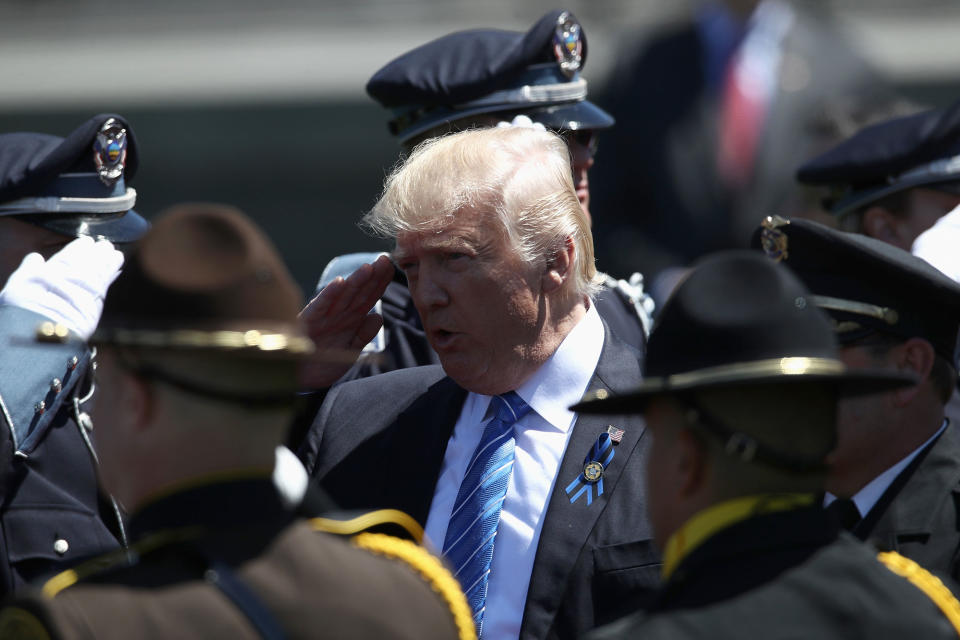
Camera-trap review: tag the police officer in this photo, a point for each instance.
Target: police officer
(892, 180)
(63, 202)
(741, 426)
(478, 78)
(898, 457)
(200, 347)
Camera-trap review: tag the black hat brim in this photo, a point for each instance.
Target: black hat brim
(859, 199)
(122, 227)
(848, 382)
(565, 116)
(571, 116)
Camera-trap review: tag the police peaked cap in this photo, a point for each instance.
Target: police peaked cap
(75, 186)
(489, 71)
(918, 150)
(866, 285)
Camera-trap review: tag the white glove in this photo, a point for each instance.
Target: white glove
(69, 287)
(522, 121)
(938, 244)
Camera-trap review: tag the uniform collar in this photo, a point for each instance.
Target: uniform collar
(212, 503)
(713, 519)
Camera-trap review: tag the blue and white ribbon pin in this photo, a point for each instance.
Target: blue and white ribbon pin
(594, 465)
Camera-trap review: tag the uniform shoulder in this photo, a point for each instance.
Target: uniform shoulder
(412, 588)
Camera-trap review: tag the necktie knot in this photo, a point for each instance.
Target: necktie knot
(845, 512)
(510, 407)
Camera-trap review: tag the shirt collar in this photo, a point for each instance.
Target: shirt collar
(562, 380)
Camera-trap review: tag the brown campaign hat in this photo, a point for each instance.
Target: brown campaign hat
(205, 277)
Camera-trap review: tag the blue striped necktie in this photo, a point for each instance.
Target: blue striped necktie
(468, 545)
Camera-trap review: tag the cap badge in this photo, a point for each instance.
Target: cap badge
(591, 478)
(110, 151)
(567, 44)
(772, 239)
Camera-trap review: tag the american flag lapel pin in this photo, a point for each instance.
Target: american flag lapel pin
(616, 435)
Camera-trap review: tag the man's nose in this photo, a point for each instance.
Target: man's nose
(429, 290)
(582, 158)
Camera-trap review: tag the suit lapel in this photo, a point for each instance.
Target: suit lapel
(912, 512)
(414, 446)
(567, 525)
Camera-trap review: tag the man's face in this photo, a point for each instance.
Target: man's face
(108, 416)
(863, 423)
(482, 307)
(663, 473)
(582, 146)
(582, 155)
(925, 208)
(18, 238)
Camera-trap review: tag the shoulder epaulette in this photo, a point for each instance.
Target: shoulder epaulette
(356, 524)
(428, 566)
(430, 569)
(930, 584)
(19, 623)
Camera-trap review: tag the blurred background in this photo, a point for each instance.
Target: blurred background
(262, 105)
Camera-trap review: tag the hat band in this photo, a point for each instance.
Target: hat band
(187, 338)
(938, 168)
(774, 367)
(54, 204)
(746, 447)
(532, 93)
(886, 314)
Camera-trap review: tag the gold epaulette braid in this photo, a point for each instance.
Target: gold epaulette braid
(368, 520)
(430, 568)
(926, 582)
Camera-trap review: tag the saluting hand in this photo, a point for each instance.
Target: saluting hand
(340, 323)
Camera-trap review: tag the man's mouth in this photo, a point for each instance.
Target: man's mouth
(441, 338)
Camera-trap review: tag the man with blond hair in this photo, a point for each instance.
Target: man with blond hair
(529, 503)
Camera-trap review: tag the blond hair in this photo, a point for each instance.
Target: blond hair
(519, 175)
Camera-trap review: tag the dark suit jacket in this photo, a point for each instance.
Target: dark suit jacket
(379, 442)
(784, 575)
(919, 515)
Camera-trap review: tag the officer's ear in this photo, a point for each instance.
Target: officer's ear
(693, 462)
(134, 393)
(915, 356)
(558, 267)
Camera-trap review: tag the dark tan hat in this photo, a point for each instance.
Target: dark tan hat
(205, 277)
(737, 320)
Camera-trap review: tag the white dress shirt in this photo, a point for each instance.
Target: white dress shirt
(541, 439)
(867, 497)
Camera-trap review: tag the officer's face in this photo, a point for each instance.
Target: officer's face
(108, 419)
(926, 207)
(18, 238)
(900, 228)
(482, 307)
(582, 146)
(665, 469)
(866, 434)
